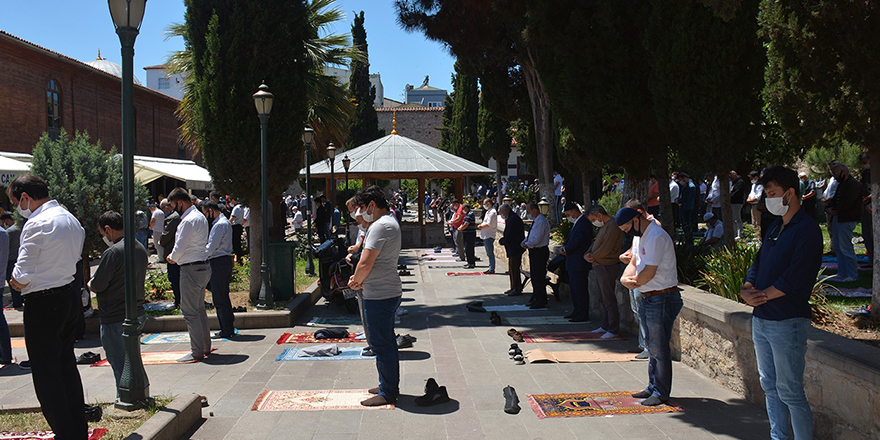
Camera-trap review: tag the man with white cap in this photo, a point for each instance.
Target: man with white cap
(714, 237)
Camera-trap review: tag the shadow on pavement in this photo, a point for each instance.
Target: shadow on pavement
(742, 419)
(224, 359)
(13, 370)
(247, 338)
(407, 403)
(408, 355)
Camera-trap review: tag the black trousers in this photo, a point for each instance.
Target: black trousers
(237, 230)
(470, 242)
(221, 276)
(49, 324)
(174, 279)
(538, 270)
(514, 261)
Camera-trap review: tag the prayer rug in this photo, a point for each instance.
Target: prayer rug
(859, 258)
(18, 343)
(94, 434)
(314, 400)
(538, 337)
(346, 354)
(833, 266)
(511, 308)
(536, 320)
(441, 260)
(464, 274)
(309, 338)
(172, 338)
(161, 306)
(592, 404)
(336, 321)
(450, 266)
(580, 356)
(850, 292)
(155, 358)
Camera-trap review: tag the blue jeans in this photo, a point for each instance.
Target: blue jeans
(5, 341)
(843, 248)
(114, 345)
(489, 244)
(143, 236)
(379, 325)
(635, 304)
(658, 315)
(780, 347)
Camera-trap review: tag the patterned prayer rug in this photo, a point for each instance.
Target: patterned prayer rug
(464, 274)
(538, 337)
(337, 321)
(170, 338)
(309, 338)
(511, 308)
(155, 358)
(850, 292)
(450, 266)
(314, 400)
(579, 356)
(346, 354)
(94, 434)
(592, 404)
(536, 320)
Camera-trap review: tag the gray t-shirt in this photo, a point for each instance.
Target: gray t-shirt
(383, 236)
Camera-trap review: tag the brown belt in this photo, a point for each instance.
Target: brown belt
(659, 292)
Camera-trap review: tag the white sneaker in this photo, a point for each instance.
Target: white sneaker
(599, 330)
(360, 337)
(608, 335)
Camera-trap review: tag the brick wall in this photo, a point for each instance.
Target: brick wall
(420, 124)
(90, 101)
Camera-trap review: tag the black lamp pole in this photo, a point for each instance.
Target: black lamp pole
(308, 137)
(134, 387)
(331, 154)
(263, 101)
(346, 163)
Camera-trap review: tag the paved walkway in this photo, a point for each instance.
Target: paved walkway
(461, 349)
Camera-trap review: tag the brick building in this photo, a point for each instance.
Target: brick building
(415, 122)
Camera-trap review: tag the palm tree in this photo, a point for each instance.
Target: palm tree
(329, 106)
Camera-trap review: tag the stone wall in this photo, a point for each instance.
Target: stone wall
(418, 123)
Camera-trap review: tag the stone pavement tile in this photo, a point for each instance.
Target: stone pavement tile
(213, 428)
(589, 427)
(496, 424)
(255, 425)
(232, 406)
(340, 422)
(335, 437)
(257, 376)
(413, 422)
(295, 425)
(631, 426)
(550, 428)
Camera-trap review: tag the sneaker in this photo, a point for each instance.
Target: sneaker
(360, 337)
(368, 352)
(643, 355)
(218, 335)
(511, 400)
(513, 349)
(469, 266)
(88, 358)
(641, 395)
(599, 330)
(608, 335)
(518, 359)
(405, 341)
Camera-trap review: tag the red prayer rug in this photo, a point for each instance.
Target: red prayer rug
(309, 338)
(592, 404)
(94, 434)
(463, 274)
(153, 358)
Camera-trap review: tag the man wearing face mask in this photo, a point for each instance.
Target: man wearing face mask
(219, 253)
(172, 220)
(714, 237)
(603, 255)
(576, 245)
(190, 252)
(846, 207)
(537, 243)
(51, 244)
(14, 233)
(652, 270)
(108, 284)
(778, 286)
(488, 229)
(513, 235)
(468, 230)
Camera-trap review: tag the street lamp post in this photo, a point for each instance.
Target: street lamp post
(544, 206)
(134, 386)
(331, 154)
(263, 101)
(308, 137)
(346, 163)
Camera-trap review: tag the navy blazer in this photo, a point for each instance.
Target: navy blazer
(578, 242)
(514, 234)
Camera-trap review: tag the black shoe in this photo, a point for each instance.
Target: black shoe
(641, 395)
(469, 266)
(368, 352)
(513, 349)
(511, 400)
(88, 358)
(94, 413)
(24, 365)
(475, 308)
(568, 316)
(518, 359)
(538, 306)
(433, 397)
(578, 320)
(489, 272)
(513, 293)
(405, 341)
(495, 318)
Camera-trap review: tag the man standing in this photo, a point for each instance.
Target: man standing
(14, 233)
(51, 245)
(604, 254)
(558, 187)
(737, 197)
(829, 193)
(157, 225)
(654, 196)
(236, 217)
(846, 207)
(142, 221)
(468, 230)
(778, 286)
(755, 193)
(172, 219)
(675, 196)
(576, 245)
(5, 340)
(322, 219)
(537, 243)
(108, 284)
(714, 237)
(686, 207)
(190, 252)
(488, 229)
(219, 255)
(652, 270)
(376, 274)
(513, 235)
(456, 221)
(297, 221)
(713, 200)
(808, 194)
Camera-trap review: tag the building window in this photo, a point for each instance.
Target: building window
(53, 105)
(434, 104)
(164, 84)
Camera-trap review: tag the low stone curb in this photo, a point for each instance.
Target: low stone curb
(171, 422)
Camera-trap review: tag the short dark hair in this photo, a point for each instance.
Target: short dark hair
(634, 204)
(112, 219)
(784, 177)
(6, 216)
(212, 205)
(596, 209)
(31, 184)
(373, 194)
(533, 206)
(179, 195)
(215, 195)
(753, 174)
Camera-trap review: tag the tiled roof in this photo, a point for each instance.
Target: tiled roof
(61, 56)
(157, 66)
(409, 109)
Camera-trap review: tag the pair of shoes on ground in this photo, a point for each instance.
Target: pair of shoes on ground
(189, 358)
(516, 354)
(469, 266)
(405, 341)
(495, 318)
(489, 272)
(516, 335)
(650, 399)
(605, 333)
(434, 394)
(88, 358)
(476, 306)
(513, 292)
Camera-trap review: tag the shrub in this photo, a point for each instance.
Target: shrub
(157, 287)
(611, 202)
(726, 269)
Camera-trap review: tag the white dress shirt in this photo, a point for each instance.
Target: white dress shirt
(655, 248)
(51, 244)
(831, 190)
(191, 240)
(756, 192)
(490, 224)
(298, 220)
(539, 235)
(237, 214)
(714, 196)
(674, 191)
(220, 238)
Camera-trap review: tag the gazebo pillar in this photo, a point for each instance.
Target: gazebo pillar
(420, 200)
(459, 188)
(327, 189)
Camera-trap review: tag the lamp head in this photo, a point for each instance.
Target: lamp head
(346, 162)
(331, 152)
(544, 206)
(127, 13)
(308, 136)
(263, 100)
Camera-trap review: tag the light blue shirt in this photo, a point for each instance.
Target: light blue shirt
(539, 235)
(220, 238)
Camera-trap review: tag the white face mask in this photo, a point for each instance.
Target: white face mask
(571, 219)
(26, 213)
(367, 217)
(598, 223)
(362, 228)
(775, 206)
(107, 241)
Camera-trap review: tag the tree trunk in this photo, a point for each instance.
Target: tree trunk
(633, 188)
(585, 184)
(726, 210)
(255, 249)
(875, 208)
(667, 219)
(499, 195)
(543, 132)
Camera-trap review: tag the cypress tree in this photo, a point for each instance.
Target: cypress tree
(494, 139)
(464, 140)
(365, 124)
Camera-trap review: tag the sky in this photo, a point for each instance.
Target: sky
(80, 28)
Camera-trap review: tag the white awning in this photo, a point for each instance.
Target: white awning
(10, 169)
(148, 169)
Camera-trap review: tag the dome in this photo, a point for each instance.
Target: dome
(109, 67)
